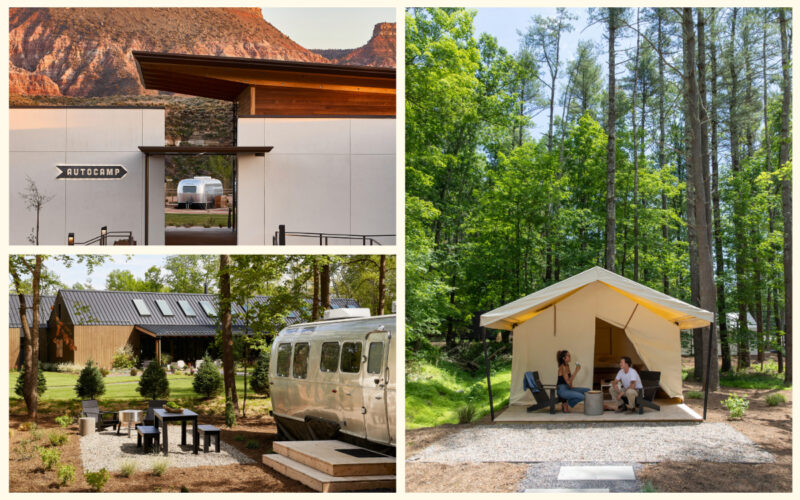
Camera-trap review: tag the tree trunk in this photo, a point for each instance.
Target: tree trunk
(31, 335)
(228, 368)
(635, 160)
(382, 286)
(786, 190)
(315, 299)
(325, 287)
(662, 134)
(611, 157)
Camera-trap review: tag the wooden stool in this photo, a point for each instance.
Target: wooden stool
(207, 431)
(149, 433)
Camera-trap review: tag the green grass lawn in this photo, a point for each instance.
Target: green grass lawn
(202, 220)
(434, 394)
(750, 378)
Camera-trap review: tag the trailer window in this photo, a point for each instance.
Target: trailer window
(351, 357)
(329, 358)
(189, 189)
(375, 358)
(300, 365)
(284, 359)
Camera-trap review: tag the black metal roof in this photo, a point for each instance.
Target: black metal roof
(45, 306)
(186, 330)
(100, 307)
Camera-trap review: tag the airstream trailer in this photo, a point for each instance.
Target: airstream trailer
(336, 378)
(198, 192)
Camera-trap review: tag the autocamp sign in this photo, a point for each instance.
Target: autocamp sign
(84, 172)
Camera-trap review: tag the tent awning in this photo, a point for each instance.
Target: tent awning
(676, 311)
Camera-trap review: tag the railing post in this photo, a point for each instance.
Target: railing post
(282, 235)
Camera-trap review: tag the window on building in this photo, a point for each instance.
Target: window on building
(329, 358)
(352, 306)
(164, 308)
(141, 307)
(300, 363)
(351, 357)
(375, 357)
(208, 308)
(284, 360)
(186, 308)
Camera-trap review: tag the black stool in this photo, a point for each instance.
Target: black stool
(149, 433)
(206, 431)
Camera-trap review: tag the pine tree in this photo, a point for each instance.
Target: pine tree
(260, 379)
(90, 382)
(41, 385)
(153, 383)
(207, 381)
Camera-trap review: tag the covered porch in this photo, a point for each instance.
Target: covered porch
(670, 412)
(181, 342)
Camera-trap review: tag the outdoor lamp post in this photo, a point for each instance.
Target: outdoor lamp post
(71, 239)
(103, 235)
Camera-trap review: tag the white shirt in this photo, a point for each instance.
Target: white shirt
(627, 378)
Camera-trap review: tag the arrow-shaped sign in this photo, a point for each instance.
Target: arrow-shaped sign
(91, 172)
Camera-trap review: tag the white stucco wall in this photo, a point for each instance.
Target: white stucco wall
(329, 175)
(41, 138)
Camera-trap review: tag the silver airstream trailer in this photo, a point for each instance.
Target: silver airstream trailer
(336, 378)
(198, 192)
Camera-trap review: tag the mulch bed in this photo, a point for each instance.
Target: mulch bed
(27, 475)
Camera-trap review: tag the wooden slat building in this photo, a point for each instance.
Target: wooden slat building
(15, 336)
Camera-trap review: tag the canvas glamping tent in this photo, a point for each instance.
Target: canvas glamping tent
(598, 316)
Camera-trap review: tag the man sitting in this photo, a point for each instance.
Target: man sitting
(624, 388)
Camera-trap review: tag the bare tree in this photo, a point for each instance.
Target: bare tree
(35, 200)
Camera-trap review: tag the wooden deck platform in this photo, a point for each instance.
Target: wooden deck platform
(669, 413)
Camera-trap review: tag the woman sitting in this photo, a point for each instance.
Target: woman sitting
(573, 395)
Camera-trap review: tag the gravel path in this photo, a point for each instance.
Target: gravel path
(600, 443)
(545, 476)
(106, 449)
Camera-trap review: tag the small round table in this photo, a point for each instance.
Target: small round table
(130, 417)
(593, 403)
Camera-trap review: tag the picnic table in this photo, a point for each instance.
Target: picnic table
(163, 418)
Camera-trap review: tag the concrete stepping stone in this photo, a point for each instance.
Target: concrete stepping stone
(597, 473)
(568, 490)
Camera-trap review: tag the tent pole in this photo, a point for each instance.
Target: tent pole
(488, 374)
(708, 367)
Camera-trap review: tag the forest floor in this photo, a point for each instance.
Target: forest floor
(769, 427)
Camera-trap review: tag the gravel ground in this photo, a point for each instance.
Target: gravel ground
(545, 476)
(106, 449)
(657, 442)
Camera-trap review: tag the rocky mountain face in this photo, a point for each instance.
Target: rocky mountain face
(380, 51)
(87, 52)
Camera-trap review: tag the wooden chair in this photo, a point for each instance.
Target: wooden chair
(542, 398)
(150, 417)
(90, 408)
(647, 394)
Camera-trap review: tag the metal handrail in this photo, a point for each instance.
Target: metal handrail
(279, 238)
(102, 238)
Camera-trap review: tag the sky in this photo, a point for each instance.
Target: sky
(78, 273)
(328, 28)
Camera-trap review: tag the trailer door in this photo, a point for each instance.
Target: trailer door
(375, 381)
(351, 368)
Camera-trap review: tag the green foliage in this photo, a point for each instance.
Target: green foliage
(49, 456)
(184, 489)
(775, 399)
(207, 380)
(466, 414)
(160, 467)
(238, 438)
(90, 382)
(57, 438)
(128, 468)
(97, 480)
(230, 414)
(649, 488)
(41, 386)
(736, 406)
(124, 358)
(252, 444)
(64, 420)
(694, 395)
(172, 405)
(153, 383)
(259, 381)
(66, 474)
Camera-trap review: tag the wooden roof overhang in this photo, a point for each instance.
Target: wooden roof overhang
(226, 78)
(203, 150)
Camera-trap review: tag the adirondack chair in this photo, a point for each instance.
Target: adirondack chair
(541, 397)
(102, 419)
(647, 394)
(149, 417)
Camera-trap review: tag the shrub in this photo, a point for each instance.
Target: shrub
(128, 468)
(775, 399)
(41, 386)
(160, 467)
(66, 474)
(466, 414)
(184, 489)
(207, 381)
(649, 488)
(694, 395)
(252, 444)
(134, 372)
(64, 420)
(124, 358)
(36, 434)
(69, 368)
(57, 438)
(239, 438)
(90, 382)
(230, 415)
(153, 383)
(50, 457)
(260, 379)
(96, 479)
(736, 406)
(104, 372)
